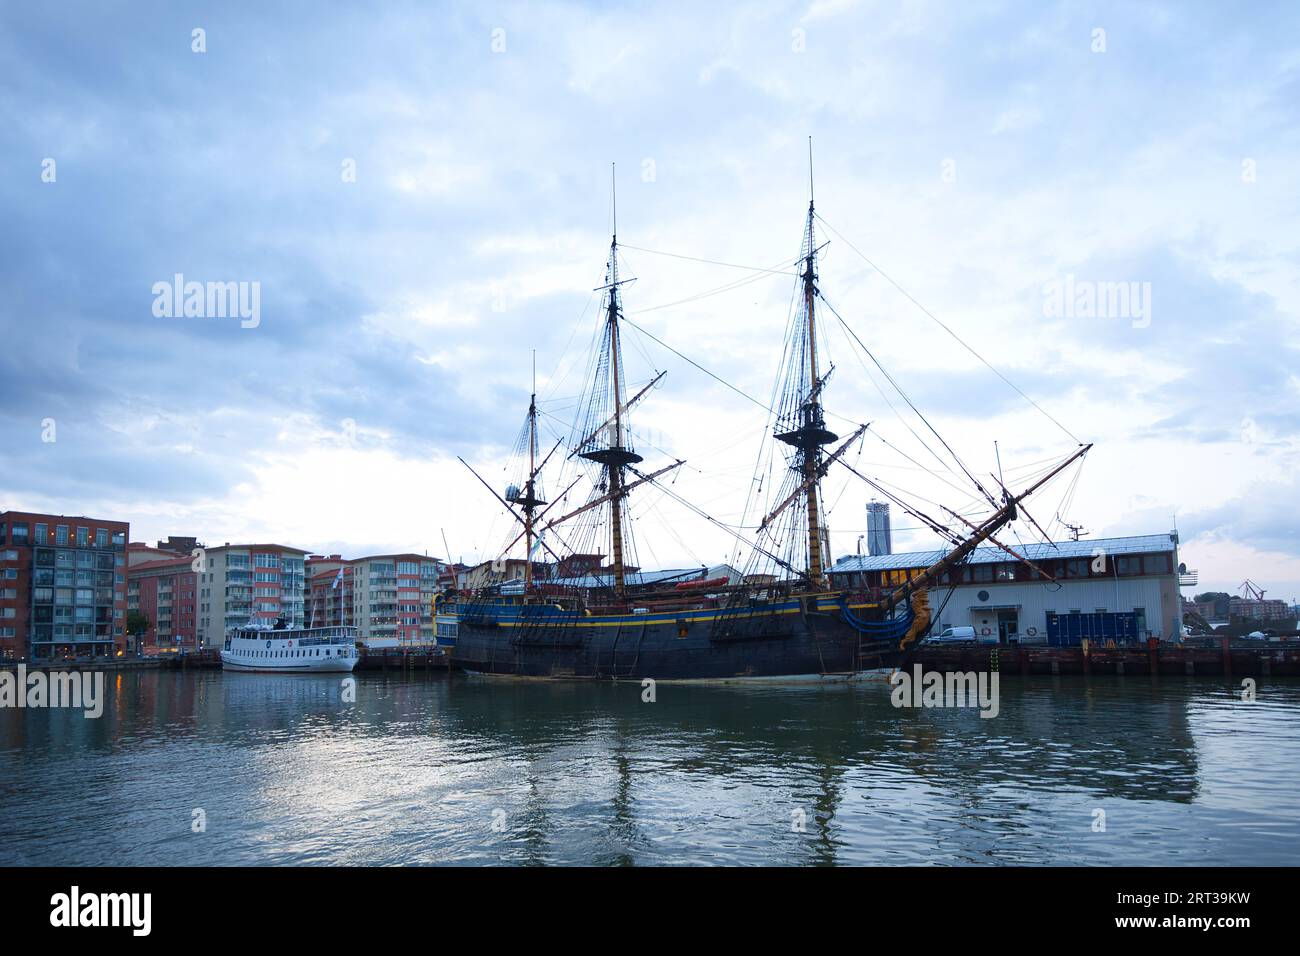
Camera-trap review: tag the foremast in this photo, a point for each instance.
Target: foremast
(531, 499)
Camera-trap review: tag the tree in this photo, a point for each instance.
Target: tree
(136, 623)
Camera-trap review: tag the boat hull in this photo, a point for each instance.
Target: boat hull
(330, 666)
(800, 641)
(290, 650)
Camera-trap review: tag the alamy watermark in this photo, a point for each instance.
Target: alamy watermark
(1086, 299)
(209, 300)
(953, 689)
(81, 690)
(76, 908)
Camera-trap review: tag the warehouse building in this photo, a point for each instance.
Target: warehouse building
(1124, 589)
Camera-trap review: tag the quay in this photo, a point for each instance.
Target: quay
(89, 664)
(1219, 657)
(1214, 657)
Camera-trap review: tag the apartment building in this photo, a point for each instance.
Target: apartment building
(165, 591)
(387, 597)
(62, 586)
(242, 582)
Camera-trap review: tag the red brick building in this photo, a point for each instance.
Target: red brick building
(164, 591)
(62, 586)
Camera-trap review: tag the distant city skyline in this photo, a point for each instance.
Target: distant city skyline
(388, 212)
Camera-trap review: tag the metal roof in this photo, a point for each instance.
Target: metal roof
(1038, 551)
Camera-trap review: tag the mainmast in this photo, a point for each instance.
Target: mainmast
(617, 455)
(807, 432)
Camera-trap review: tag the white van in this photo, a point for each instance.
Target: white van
(953, 635)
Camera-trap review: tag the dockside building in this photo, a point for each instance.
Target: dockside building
(1100, 587)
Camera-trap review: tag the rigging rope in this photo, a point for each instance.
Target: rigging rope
(941, 325)
(713, 262)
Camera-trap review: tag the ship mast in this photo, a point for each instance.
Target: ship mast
(530, 498)
(616, 456)
(809, 432)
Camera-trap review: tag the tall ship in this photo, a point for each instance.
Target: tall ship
(282, 649)
(579, 608)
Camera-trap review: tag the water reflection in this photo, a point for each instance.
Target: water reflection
(420, 767)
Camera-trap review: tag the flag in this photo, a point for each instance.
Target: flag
(338, 579)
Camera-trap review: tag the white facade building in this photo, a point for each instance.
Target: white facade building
(996, 594)
(244, 582)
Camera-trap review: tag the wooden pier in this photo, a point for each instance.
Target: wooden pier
(1220, 657)
(1215, 657)
(401, 658)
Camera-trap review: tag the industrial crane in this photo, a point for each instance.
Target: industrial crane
(1249, 589)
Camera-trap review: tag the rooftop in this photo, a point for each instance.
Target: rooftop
(632, 578)
(1038, 551)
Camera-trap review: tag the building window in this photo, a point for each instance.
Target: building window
(42, 532)
(1155, 564)
(101, 538)
(83, 537)
(61, 535)
(19, 532)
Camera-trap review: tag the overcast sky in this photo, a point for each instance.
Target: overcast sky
(422, 196)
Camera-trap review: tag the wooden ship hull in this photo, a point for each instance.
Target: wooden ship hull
(807, 637)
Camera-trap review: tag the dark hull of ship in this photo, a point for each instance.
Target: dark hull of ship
(803, 640)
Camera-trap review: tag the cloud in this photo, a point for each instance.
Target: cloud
(975, 155)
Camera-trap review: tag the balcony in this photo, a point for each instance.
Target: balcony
(1187, 579)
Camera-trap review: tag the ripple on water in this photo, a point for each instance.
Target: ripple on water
(430, 771)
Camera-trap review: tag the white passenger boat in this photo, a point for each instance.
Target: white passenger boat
(299, 650)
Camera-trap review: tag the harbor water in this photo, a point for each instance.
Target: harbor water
(204, 767)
